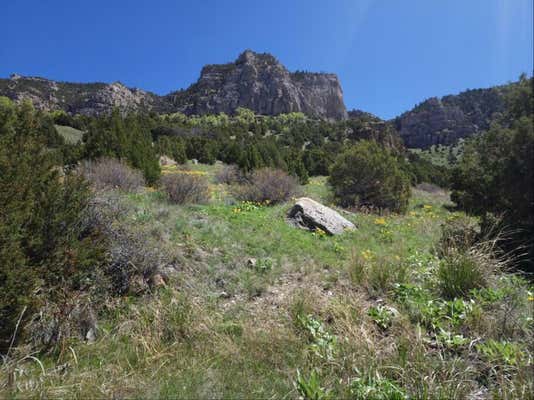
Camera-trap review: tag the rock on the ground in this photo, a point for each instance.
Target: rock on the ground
(252, 262)
(165, 160)
(309, 214)
(157, 281)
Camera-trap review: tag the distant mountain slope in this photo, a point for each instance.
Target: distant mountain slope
(255, 81)
(78, 98)
(442, 121)
(261, 83)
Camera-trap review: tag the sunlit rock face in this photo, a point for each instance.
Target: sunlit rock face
(259, 82)
(255, 81)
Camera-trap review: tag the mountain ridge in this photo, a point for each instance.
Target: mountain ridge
(444, 120)
(257, 81)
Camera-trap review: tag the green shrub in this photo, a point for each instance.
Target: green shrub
(424, 171)
(45, 244)
(367, 175)
(126, 138)
(496, 172)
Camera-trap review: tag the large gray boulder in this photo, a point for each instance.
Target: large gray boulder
(309, 214)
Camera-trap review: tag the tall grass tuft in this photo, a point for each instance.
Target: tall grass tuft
(459, 273)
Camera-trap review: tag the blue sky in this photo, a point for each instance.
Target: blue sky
(388, 54)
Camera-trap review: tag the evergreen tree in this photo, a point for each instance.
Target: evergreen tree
(43, 243)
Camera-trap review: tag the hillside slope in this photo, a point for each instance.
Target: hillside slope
(442, 121)
(255, 308)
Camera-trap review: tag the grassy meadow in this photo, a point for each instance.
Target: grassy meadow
(255, 308)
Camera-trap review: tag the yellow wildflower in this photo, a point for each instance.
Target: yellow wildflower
(367, 254)
(380, 221)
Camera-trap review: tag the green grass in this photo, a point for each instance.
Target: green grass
(318, 315)
(71, 135)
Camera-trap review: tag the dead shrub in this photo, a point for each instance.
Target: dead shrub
(183, 188)
(132, 258)
(267, 185)
(110, 173)
(229, 174)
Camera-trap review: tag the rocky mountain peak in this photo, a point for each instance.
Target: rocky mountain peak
(251, 57)
(257, 81)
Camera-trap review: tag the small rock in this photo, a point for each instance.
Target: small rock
(252, 262)
(137, 285)
(90, 336)
(164, 160)
(157, 281)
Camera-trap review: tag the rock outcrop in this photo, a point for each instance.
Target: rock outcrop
(255, 81)
(309, 214)
(447, 119)
(79, 98)
(259, 82)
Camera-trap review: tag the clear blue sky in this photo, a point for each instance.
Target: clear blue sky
(388, 54)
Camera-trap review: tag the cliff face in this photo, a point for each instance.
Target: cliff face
(445, 120)
(255, 81)
(259, 82)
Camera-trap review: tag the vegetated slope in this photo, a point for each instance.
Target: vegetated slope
(78, 98)
(255, 81)
(311, 315)
(71, 135)
(442, 121)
